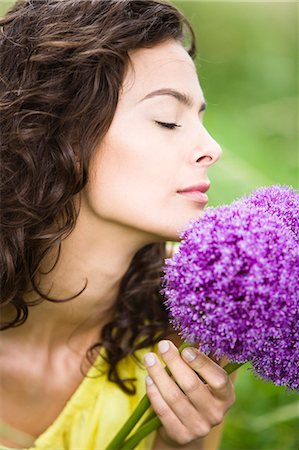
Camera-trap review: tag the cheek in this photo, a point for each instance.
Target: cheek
(128, 177)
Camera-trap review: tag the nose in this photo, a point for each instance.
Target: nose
(207, 151)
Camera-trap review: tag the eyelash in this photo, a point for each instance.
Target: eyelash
(169, 126)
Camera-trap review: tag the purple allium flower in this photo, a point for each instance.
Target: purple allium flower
(282, 201)
(279, 361)
(233, 287)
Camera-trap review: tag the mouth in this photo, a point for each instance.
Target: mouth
(196, 193)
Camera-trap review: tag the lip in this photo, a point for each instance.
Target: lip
(199, 197)
(197, 193)
(202, 187)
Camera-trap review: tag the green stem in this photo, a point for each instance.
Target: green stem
(143, 431)
(141, 408)
(129, 424)
(229, 368)
(148, 418)
(152, 422)
(232, 366)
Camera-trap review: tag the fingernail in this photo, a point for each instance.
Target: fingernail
(149, 381)
(163, 346)
(150, 359)
(189, 354)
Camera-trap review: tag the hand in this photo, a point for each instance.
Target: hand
(188, 408)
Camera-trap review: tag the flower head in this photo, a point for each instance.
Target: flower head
(281, 201)
(233, 287)
(279, 361)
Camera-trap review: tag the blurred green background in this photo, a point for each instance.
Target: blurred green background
(248, 68)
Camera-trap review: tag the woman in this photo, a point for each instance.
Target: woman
(102, 135)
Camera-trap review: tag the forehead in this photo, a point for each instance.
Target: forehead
(165, 65)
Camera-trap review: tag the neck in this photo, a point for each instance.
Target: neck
(95, 252)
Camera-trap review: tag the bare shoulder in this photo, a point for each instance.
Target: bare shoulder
(34, 389)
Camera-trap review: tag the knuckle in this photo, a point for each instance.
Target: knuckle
(199, 362)
(173, 396)
(217, 418)
(191, 386)
(203, 429)
(154, 396)
(221, 382)
(161, 411)
(184, 438)
(170, 356)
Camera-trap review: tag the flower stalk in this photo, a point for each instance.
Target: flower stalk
(233, 287)
(128, 426)
(139, 411)
(153, 422)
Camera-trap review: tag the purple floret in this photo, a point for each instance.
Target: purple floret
(279, 361)
(233, 287)
(281, 201)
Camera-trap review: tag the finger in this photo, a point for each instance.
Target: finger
(215, 376)
(171, 393)
(168, 418)
(222, 361)
(184, 375)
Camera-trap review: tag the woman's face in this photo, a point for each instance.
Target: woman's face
(142, 162)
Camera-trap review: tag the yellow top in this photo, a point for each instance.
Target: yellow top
(96, 410)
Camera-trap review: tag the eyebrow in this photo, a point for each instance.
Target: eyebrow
(185, 99)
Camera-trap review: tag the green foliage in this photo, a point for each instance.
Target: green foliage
(247, 63)
(264, 417)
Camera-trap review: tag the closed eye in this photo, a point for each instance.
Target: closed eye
(170, 126)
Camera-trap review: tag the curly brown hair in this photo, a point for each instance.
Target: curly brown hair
(62, 65)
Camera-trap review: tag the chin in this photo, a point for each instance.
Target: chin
(171, 231)
(174, 235)
(189, 219)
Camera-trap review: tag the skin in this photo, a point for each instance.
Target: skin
(131, 200)
(190, 415)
